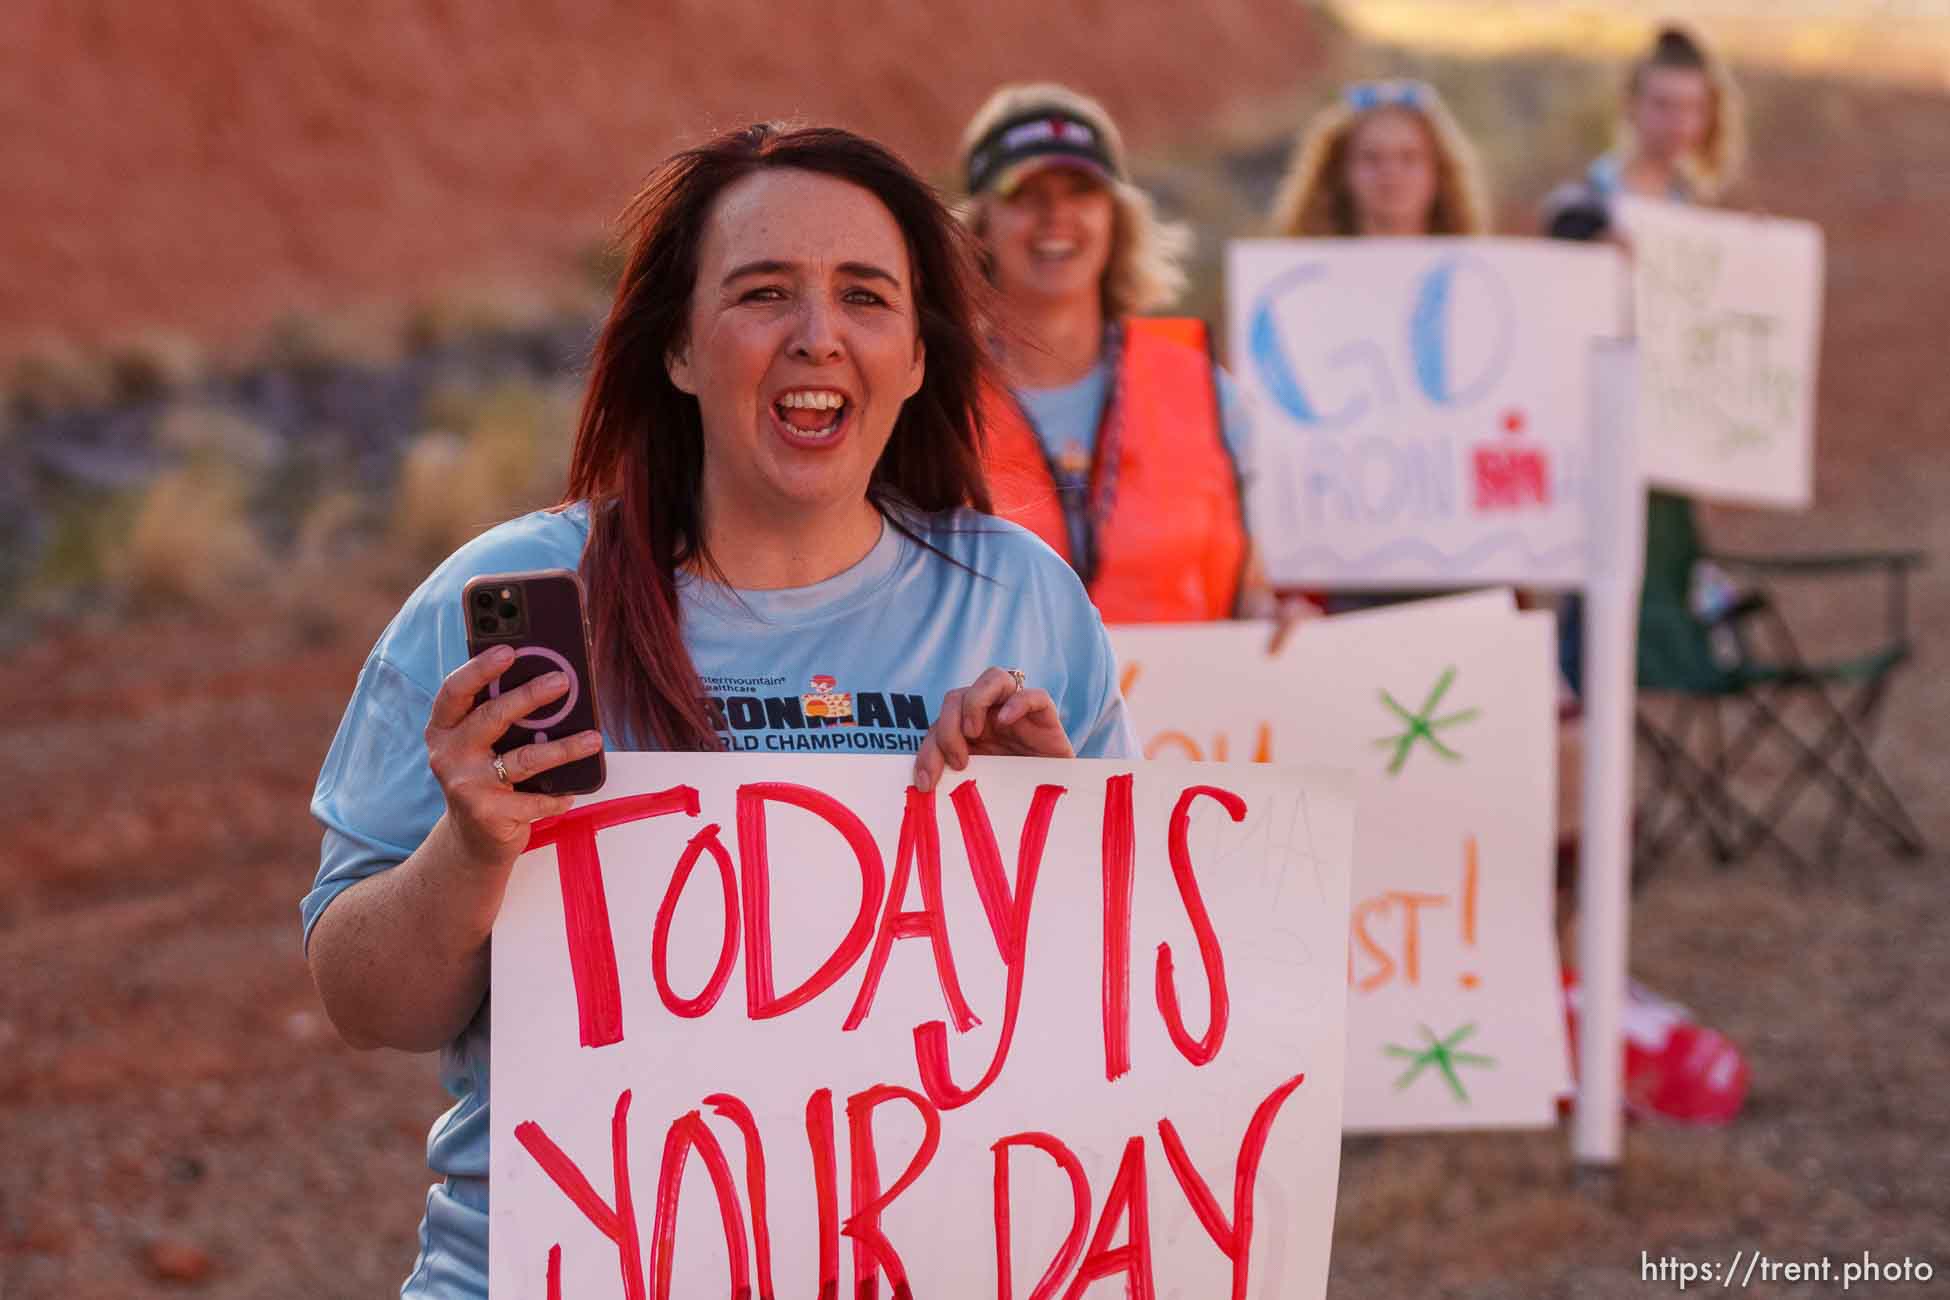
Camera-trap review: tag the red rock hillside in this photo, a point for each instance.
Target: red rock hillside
(209, 167)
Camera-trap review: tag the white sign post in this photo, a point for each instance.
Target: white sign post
(1616, 570)
(1424, 411)
(778, 1025)
(1445, 710)
(1727, 313)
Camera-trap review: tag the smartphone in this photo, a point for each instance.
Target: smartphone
(540, 614)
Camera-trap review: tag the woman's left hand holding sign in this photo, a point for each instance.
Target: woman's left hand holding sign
(998, 713)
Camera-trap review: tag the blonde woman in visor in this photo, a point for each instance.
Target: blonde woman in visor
(1118, 441)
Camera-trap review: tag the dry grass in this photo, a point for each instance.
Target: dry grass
(372, 338)
(474, 310)
(199, 432)
(155, 363)
(512, 456)
(190, 540)
(55, 374)
(86, 532)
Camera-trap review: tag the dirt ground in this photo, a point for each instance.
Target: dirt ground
(173, 1105)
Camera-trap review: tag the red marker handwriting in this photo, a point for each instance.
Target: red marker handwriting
(1128, 1199)
(920, 839)
(740, 1114)
(762, 1002)
(1066, 1258)
(585, 907)
(1119, 854)
(691, 1133)
(1235, 1239)
(1199, 1051)
(872, 1252)
(1008, 912)
(705, 841)
(819, 1136)
(617, 1223)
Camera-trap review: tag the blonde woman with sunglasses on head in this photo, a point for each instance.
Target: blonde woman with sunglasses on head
(1385, 159)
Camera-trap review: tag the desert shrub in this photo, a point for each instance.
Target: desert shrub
(85, 531)
(308, 344)
(198, 431)
(434, 509)
(154, 364)
(189, 538)
(333, 530)
(511, 457)
(55, 374)
(471, 312)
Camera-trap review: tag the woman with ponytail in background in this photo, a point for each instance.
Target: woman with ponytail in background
(1681, 137)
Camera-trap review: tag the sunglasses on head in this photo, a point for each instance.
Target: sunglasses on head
(1364, 95)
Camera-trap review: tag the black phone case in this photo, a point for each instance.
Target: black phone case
(557, 637)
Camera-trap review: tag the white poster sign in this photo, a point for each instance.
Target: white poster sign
(1445, 710)
(1728, 314)
(1421, 407)
(781, 1026)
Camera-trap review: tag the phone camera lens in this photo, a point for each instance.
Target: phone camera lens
(484, 600)
(508, 610)
(485, 623)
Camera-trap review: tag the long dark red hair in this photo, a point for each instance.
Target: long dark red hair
(639, 448)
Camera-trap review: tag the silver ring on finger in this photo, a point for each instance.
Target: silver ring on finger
(1016, 673)
(501, 771)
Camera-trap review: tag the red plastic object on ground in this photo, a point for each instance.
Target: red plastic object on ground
(1676, 1069)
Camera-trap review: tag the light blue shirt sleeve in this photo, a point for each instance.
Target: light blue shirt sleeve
(1091, 702)
(1235, 424)
(1109, 734)
(376, 797)
(1029, 610)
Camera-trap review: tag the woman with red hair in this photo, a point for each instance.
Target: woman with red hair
(775, 487)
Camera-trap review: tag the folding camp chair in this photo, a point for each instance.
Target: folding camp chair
(1744, 658)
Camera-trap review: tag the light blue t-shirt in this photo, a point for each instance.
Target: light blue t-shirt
(1606, 177)
(1066, 420)
(855, 664)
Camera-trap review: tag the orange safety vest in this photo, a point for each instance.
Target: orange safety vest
(1166, 541)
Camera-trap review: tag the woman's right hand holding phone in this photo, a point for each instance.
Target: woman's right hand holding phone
(489, 817)
(401, 958)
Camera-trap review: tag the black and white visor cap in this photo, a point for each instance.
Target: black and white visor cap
(1030, 142)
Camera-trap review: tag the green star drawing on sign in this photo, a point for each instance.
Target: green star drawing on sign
(1441, 1053)
(1422, 725)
